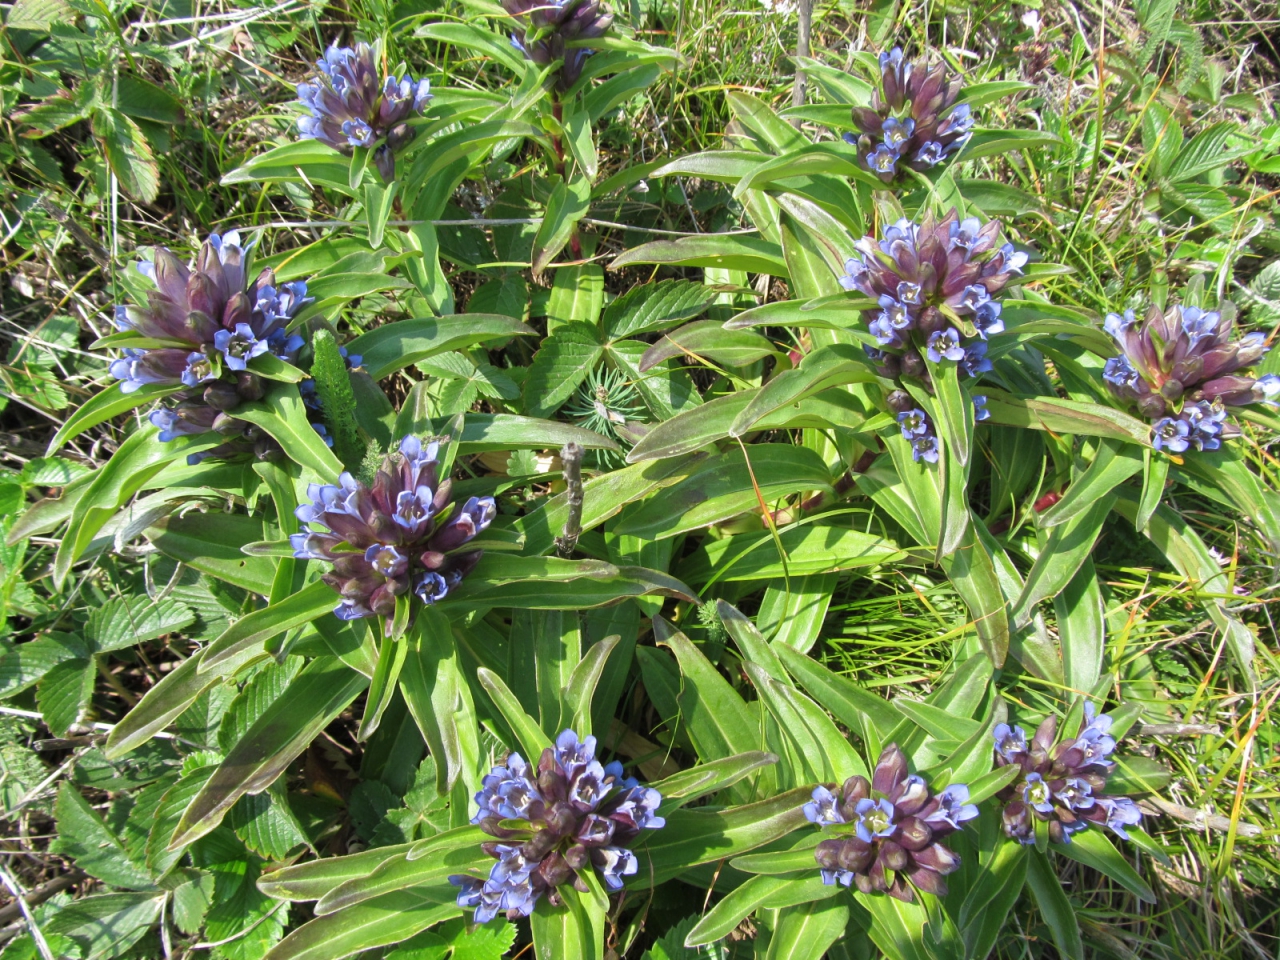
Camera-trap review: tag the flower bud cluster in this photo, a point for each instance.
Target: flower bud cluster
(204, 326)
(1181, 368)
(891, 830)
(913, 120)
(405, 532)
(1061, 785)
(353, 105)
(579, 814)
(545, 28)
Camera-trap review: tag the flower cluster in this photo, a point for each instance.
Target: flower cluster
(402, 533)
(913, 120)
(1061, 785)
(580, 814)
(897, 828)
(1182, 369)
(546, 27)
(204, 326)
(351, 107)
(935, 284)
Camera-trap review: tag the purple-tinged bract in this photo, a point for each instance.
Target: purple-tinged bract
(352, 104)
(1061, 785)
(913, 121)
(581, 814)
(544, 29)
(889, 830)
(1181, 368)
(403, 533)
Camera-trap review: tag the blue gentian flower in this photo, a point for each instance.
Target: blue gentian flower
(218, 322)
(1181, 369)
(980, 411)
(350, 105)
(580, 813)
(1060, 785)
(918, 275)
(392, 537)
(887, 833)
(546, 27)
(913, 120)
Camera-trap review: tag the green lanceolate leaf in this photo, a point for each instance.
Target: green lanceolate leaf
(532, 739)
(314, 878)
(439, 698)
(384, 920)
(1065, 416)
(805, 931)
(725, 486)
(1113, 464)
(828, 366)
(756, 893)
(567, 205)
(394, 346)
(313, 601)
(1054, 905)
(324, 688)
(708, 778)
(1093, 849)
(709, 338)
(1067, 547)
(736, 252)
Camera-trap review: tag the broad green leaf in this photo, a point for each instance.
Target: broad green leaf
(709, 338)
(127, 153)
(167, 700)
(436, 690)
(63, 694)
(725, 486)
(725, 166)
(83, 837)
(456, 851)
(25, 663)
(708, 778)
(134, 463)
(715, 717)
(825, 748)
(759, 118)
(603, 497)
(1062, 554)
(126, 621)
(729, 252)
(1065, 416)
(106, 925)
(868, 715)
(830, 157)
(104, 405)
(577, 296)
(580, 595)
(692, 837)
(750, 896)
(806, 931)
(792, 611)
(394, 346)
(655, 306)
(302, 161)
(1055, 908)
(532, 739)
(1081, 616)
(282, 415)
(314, 878)
(325, 688)
(1155, 474)
(211, 543)
(991, 143)
(1209, 149)
(828, 366)
(560, 366)
(384, 920)
(1095, 850)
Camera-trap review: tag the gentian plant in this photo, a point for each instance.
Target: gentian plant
(897, 826)
(581, 815)
(205, 326)
(914, 121)
(352, 104)
(1181, 368)
(402, 532)
(558, 30)
(1060, 787)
